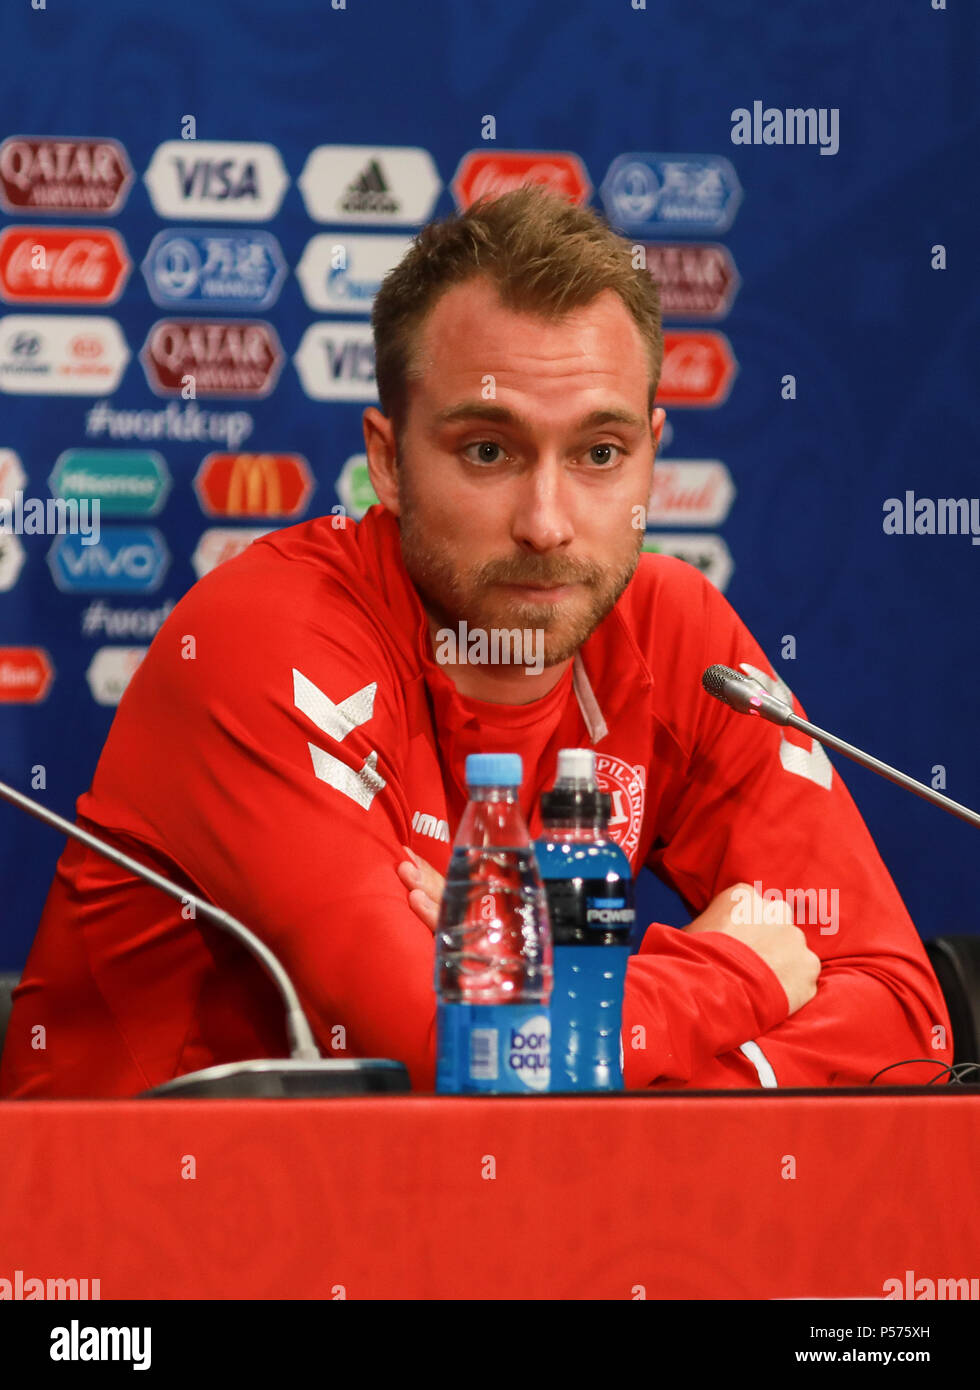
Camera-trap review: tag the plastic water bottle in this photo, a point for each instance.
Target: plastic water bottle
(493, 945)
(589, 887)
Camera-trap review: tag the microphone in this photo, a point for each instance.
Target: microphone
(746, 695)
(305, 1074)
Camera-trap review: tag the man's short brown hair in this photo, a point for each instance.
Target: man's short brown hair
(545, 255)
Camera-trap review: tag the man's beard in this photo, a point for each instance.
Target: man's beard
(451, 597)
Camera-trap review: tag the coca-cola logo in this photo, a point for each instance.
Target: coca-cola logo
(493, 173)
(698, 369)
(25, 674)
(62, 264)
(494, 180)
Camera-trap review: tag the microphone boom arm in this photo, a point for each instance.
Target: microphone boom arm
(301, 1044)
(876, 765)
(744, 694)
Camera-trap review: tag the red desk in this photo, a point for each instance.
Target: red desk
(683, 1195)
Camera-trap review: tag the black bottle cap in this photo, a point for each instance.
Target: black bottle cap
(575, 803)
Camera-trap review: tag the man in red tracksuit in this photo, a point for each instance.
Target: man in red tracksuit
(303, 715)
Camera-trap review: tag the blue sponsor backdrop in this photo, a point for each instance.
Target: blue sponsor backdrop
(838, 289)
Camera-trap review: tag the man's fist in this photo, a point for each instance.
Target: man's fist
(767, 927)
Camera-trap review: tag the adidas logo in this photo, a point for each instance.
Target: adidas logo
(369, 192)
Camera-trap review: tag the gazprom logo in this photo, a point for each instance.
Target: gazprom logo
(127, 559)
(529, 1052)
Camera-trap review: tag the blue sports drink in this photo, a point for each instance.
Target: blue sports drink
(589, 887)
(493, 945)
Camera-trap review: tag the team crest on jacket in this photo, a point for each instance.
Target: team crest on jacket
(627, 787)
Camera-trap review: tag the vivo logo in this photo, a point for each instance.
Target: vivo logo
(128, 559)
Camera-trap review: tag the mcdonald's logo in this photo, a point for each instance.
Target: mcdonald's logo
(249, 485)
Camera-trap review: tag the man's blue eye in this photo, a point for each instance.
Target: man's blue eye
(484, 444)
(606, 447)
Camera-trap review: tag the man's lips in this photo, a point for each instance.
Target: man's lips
(549, 592)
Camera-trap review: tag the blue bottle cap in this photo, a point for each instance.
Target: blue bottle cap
(494, 770)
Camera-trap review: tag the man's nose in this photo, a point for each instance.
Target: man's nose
(542, 508)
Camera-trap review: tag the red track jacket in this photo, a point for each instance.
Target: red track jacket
(289, 730)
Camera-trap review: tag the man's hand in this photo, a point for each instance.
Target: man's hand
(425, 886)
(766, 927)
(770, 932)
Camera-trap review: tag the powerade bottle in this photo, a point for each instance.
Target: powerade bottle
(493, 945)
(589, 887)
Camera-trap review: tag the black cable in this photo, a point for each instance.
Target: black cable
(965, 1066)
(911, 1061)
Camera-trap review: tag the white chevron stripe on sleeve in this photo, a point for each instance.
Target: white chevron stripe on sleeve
(362, 786)
(335, 720)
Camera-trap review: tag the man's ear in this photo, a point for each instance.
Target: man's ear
(657, 421)
(382, 457)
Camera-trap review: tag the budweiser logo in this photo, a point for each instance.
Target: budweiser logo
(673, 494)
(692, 492)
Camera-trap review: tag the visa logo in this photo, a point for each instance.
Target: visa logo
(217, 179)
(127, 559)
(350, 362)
